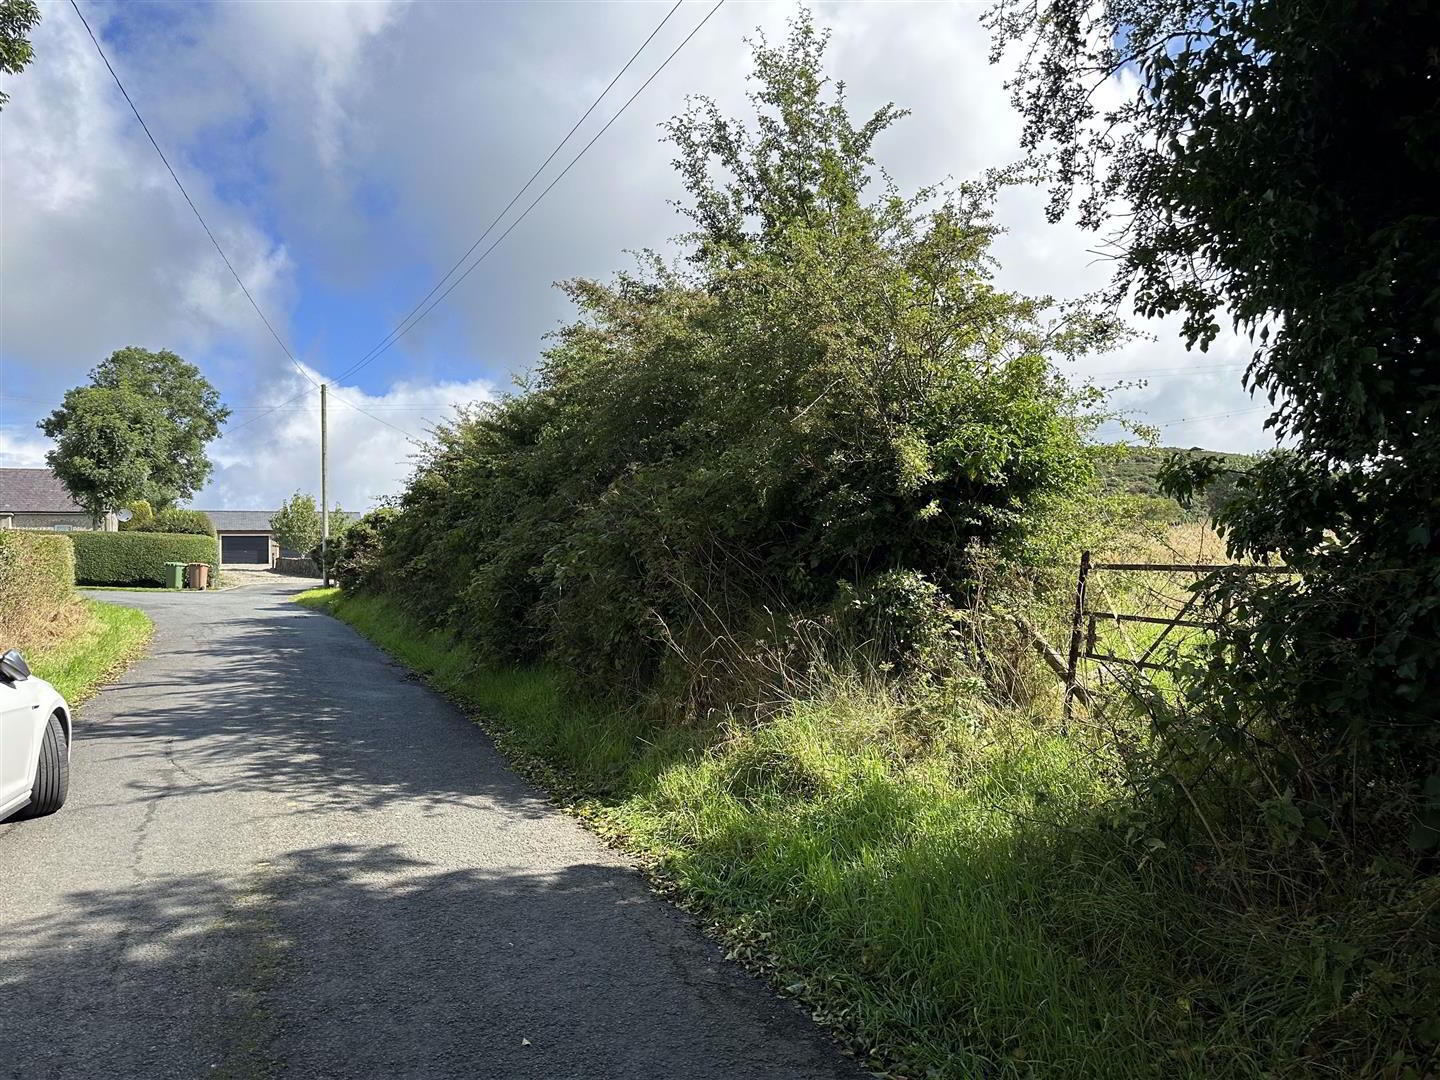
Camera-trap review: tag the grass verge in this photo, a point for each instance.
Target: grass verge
(127, 588)
(103, 642)
(953, 891)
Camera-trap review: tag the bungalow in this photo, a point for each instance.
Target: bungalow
(36, 499)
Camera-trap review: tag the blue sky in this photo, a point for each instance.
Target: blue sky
(347, 153)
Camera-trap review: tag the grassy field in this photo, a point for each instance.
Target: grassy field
(955, 890)
(99, 641)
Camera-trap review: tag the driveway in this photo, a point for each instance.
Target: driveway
(283, 856)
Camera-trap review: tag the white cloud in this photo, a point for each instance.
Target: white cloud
(267, 455)
(18, 451)
(99, 249)
(363, 147)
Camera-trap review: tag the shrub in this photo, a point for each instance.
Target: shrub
(141, 515)
(138, 558)
(37, 578)
(190, 522)
(357, 562)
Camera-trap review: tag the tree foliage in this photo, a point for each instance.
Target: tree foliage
(297, 523)
(17, 19)
(358, 564)
(1277, 164)
(1137, 470)
(137, 431)
(827, 391)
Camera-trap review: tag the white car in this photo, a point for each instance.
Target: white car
(34, 742)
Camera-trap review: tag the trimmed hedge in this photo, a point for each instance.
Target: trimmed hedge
(37, 582)
(195, 522)
(138, 558)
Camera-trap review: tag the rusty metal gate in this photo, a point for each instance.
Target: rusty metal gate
(1084, 619)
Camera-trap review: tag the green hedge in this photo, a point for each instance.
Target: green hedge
(194, 522)
(37, 580)
(138, 558)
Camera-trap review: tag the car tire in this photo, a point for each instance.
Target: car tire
(52, 774)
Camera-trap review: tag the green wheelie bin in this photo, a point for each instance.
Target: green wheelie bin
(175, 575)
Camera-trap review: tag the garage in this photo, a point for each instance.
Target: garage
(254, 550)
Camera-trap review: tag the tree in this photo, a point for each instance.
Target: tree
(17, 19)
(138, 431)
(1277, 165)
(297, 523)
(340, 523)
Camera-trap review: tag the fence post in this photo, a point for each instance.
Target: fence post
(1077, 627)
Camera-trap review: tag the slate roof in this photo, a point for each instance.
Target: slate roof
(247, 520)
(34, 491)
(239, 520)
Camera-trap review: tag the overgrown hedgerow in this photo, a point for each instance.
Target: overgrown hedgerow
(828, 393)
(742, 563)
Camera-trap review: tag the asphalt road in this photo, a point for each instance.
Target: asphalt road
(283, 856)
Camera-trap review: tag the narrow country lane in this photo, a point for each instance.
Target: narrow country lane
(283, 857)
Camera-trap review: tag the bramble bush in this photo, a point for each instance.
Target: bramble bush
(828, 392)
(357, 563)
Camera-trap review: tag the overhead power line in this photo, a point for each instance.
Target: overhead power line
(274, 408)
(403, 329)
(1215, 416)
(289, 404)
(1162, 371)
(198, 216)
(372, 416)
(516, 198)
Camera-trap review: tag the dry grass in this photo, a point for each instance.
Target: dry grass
(38, 605)
(1191, 542)
(98, 641)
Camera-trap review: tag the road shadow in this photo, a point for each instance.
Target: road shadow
(352, 961)
(250, 692)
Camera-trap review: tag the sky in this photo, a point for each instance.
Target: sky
(346, 154)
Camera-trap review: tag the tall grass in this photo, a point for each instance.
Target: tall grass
(98, 640)
(956, 889)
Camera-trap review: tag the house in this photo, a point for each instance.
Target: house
(246, 538)
(36, 499)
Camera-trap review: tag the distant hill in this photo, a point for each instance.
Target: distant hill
(1136, 473)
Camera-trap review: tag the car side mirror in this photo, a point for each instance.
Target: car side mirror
(13, 667)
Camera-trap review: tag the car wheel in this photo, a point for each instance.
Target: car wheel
(52, 774)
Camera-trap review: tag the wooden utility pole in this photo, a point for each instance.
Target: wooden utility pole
(324, 500)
